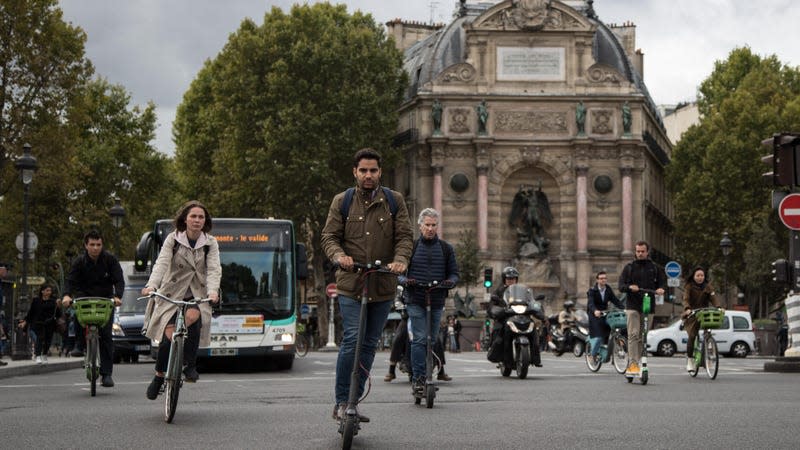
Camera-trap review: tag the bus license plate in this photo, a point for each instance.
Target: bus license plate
(142, 348)
(223, 352)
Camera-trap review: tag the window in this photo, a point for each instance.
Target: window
(740, 323)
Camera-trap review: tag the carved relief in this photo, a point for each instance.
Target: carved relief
(531, 122)
(458, 153)
(600, 73)
(601, 121)
(458, 73)
(530, 15)
(459, 120)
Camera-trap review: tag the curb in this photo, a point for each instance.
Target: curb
(8, 372)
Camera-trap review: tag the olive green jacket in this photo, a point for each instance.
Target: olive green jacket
(368, 233)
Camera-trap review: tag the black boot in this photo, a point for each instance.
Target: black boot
(190, 347)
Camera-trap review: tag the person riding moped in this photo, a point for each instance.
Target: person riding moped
(501, 339)
(567, 321)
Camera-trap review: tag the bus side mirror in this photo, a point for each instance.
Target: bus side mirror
(301, 261)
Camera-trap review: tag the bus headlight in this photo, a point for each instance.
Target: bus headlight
(116, 330)
(285, 337)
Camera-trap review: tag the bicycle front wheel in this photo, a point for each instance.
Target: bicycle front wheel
(592, 362)
(301, 346)
(92, 354)
(619, 355)
(173, 379)
(711, 357)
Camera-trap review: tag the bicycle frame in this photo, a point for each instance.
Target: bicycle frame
(92, 312)
(703, 342)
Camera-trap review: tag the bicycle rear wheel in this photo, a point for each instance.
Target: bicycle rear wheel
(619, 356)
(173, 379)
(711, 357)
(301, 346)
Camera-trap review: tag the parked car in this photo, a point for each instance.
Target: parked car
(734, 338)
(126, 330)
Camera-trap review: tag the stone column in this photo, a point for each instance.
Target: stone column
(581, 209)
(627, 210)
(438, 146)
(482, 162)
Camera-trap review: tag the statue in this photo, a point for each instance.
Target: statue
(436, 115)
(465, 307)
(483, 117)
(530, 213)
(626, 118)
(580, 117)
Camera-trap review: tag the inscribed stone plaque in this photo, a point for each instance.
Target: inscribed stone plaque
(531, 64)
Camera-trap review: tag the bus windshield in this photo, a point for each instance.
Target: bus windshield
(258, 270)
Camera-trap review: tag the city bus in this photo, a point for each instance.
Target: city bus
(261, 264)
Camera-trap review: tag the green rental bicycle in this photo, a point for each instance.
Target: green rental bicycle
(705, 346)
(173, 378)
(93, 313)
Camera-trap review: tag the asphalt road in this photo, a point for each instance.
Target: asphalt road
(561, 405)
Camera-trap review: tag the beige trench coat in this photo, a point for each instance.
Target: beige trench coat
(189, 270)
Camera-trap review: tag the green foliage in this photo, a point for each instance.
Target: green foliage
(715, 172)
(281, 110)
(469, 265)
(89, 143)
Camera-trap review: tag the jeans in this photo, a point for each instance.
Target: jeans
(419, 336)
(377, 312)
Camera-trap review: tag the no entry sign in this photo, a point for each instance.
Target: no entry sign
(789, 211)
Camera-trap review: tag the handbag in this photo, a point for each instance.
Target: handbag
(61, 322)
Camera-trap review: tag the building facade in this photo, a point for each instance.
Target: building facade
(528, 123)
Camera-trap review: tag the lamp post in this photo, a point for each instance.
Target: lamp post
(117, 213)
(26, 164)
(726, 245)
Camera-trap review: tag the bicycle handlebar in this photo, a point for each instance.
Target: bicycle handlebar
(194, 301)
(431, 285)
(377, 266)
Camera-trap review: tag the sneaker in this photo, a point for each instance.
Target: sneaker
(76, 353)
(389, 377)
(190, 374)
(155, 387)
(690, 366)
(418, 387)
(3, 363)
(107, 381)
(633, 369)
(38, 360)
(444, 377)
(340, 410)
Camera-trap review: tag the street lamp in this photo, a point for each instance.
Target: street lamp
(117, 213)
(26, 164)
(726, 245)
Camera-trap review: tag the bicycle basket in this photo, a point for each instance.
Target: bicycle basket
(93, 311)
(617, 319)
(709, 318)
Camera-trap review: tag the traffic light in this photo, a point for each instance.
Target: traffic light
(784, 161)
(487, 277)
(781, 271)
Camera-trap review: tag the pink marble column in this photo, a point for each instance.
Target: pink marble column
(582, 212)
(437, 197)
(627, 210)
(483, 209)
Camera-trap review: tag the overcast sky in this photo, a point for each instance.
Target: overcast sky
(154, 48)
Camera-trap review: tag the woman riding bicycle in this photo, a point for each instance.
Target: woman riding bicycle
(187, 267)
(698, 293)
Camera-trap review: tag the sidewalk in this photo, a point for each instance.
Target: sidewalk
(29, 367)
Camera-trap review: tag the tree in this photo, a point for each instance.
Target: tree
(42, 67)
(469, 265)
(715, 172)
(280, 112)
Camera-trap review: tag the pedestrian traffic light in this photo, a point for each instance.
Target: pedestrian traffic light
(784, 162)
(781, 271)
(487, 277)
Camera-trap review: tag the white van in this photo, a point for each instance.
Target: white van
(734, 338)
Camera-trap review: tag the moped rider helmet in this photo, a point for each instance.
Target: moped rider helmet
(509, 272)
(569, 304)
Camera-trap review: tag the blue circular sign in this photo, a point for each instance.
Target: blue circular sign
(673, 269)
(305, 309)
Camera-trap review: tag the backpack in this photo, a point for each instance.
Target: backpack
(348, 200)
